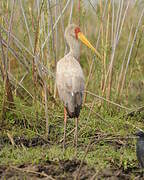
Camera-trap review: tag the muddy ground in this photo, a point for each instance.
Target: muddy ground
(62, 170)
(59, 169)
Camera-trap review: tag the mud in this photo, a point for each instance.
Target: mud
(62, 170)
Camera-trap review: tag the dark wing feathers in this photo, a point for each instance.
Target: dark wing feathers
(76, 102)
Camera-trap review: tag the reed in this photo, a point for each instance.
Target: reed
(32, 40)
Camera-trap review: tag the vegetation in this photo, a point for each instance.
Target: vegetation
(31, 119)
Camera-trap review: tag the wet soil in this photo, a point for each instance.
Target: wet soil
(62, 170)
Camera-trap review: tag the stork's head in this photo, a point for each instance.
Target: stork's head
(73, 34)
(72, 30)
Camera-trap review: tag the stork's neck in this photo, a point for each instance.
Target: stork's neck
(75, 49)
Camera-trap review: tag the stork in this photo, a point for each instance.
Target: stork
(70, 78)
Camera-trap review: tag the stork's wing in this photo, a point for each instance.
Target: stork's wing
(70, 84)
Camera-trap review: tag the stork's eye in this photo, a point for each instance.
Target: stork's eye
(77, 30)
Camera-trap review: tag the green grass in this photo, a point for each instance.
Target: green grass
(114, 150)
(117, 147)
(101, 155)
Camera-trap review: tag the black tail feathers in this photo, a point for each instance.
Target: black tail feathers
(74, 114)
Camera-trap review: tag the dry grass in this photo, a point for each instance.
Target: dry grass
(31, 43)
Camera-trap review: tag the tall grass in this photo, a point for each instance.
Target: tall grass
(32, 41)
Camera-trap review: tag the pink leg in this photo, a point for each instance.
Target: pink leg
(65, 121)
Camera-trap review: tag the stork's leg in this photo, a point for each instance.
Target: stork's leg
(76, 134)
(65, 121)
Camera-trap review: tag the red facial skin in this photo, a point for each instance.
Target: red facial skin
(77, 30)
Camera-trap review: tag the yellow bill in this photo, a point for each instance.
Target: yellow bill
(87, 43)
